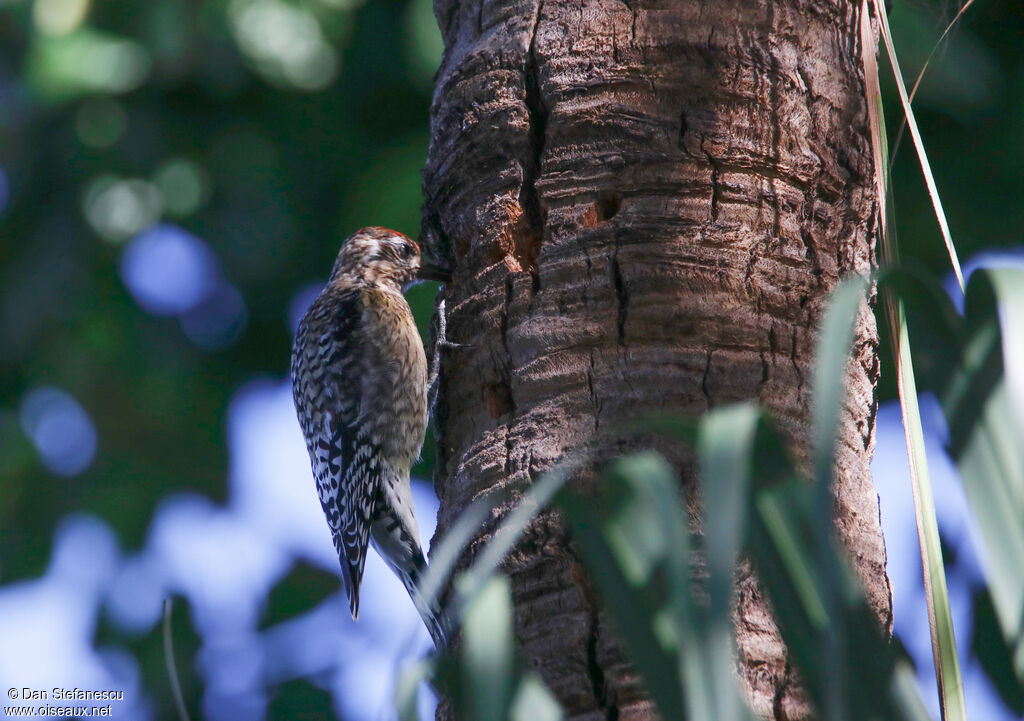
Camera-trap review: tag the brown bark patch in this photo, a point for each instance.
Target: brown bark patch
(498, 399)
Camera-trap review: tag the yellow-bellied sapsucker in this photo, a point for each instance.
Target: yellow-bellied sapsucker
(359, 379)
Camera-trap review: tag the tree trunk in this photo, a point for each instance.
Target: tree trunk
(644, 206)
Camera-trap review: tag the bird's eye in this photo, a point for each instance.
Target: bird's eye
(408, 250)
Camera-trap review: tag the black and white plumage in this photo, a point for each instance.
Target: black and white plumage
(359, 380)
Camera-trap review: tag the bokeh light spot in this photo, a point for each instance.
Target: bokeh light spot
(315, 69)
(184, 186)
(135, 594)
(60, 429)
(284, 42)
(168, 270)
(58, 17)
(218, 321)
(85, 61)
(117, 209)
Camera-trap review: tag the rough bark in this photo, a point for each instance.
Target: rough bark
(644, 206)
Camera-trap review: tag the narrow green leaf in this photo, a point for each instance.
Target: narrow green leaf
(940, 619)
(919, 146)
(407, 689)
(726, 451)
(449, 549)
(534, 702)
(876, 126)
(639, 541)
(652, 490)
(783, 547)
(904, 691)
(791, 552)
(637, 609)
(947, 669)
(513, 525)
(172, 666)
(835, 338)
(983, 408)
(488, 651)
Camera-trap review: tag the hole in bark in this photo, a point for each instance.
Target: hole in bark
(607, 205)
(498, 399)
(527, 246)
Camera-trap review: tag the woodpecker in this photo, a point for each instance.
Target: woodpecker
(359, 380)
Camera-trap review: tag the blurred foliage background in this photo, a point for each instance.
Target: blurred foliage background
(268, 130)
(175, 179)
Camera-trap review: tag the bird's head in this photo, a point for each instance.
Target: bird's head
(377, 256)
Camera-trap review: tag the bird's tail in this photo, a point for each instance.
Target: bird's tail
(352, 561)
(401, 551)
(432, 614)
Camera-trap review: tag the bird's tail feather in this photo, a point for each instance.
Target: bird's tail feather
(432, 614)
(352, 575)
(394, 538)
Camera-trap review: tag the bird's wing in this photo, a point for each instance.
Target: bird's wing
(328, 382)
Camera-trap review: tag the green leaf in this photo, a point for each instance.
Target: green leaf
(833, 352)
(934, 325)
(982, 407)
(993, 653)
(835, 337)
(637, 602)
(488, 653)
(407, 688)
(534, 702)
(783, 547)
(447, 552)
(940, 619)
(513, 525)
(726, 449)
(947, 665)
(903, 686)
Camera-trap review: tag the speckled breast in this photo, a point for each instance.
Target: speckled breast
(398, 373)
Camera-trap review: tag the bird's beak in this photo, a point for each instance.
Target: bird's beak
(430, 271)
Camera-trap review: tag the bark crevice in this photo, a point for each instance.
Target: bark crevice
(704, 388)
(529, 195)
(621, 294)
(593, 394)
(604, 693)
